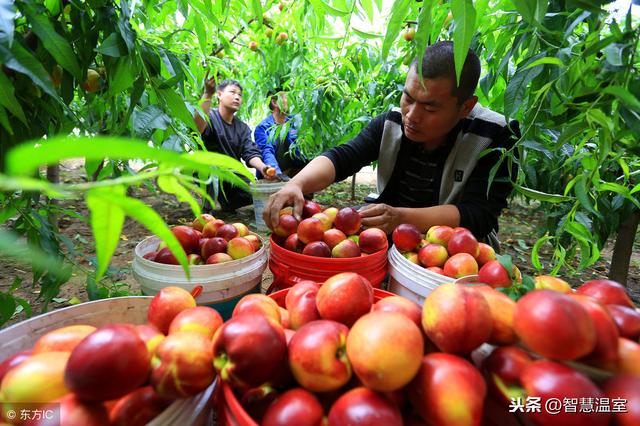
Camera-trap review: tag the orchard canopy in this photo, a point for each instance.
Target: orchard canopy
(114, 81)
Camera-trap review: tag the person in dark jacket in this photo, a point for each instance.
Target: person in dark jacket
(227, 134)
(430, 168)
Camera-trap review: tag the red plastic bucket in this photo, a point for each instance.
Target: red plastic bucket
(289, 268)
(230, 412)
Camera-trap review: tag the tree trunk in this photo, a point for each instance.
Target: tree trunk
(623, 248)
(53, 176)
(353, 187)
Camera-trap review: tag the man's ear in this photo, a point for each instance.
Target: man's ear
(467, 106)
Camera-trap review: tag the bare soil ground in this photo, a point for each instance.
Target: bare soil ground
(517, 232)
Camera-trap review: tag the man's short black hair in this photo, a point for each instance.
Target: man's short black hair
(438, 62)
(226, 83)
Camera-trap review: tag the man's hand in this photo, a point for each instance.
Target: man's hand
(209, 85)
(269, 173)
(289, 195)
(380, 216)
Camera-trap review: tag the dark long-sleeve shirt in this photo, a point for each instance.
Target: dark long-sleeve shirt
(232, 139)
(416, 178)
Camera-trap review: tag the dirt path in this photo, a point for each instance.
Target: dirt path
(517, 231)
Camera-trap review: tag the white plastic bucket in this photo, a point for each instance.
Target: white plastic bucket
(261, 192)
(195, 410)
(410, 280)
(223, 284)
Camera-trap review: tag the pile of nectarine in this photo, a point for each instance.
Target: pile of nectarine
(209, 241)
(327, 233)
(454, 252)
(116, 374)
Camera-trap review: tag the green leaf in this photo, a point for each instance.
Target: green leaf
(517, 86)
(122, 76)
(201, 32)
(7, 307)
(596, 116)
(112, 46)
(545, 61)
(533, 11)
(23, 61)
(148, 217)
(423, 31)
(624, 95)
(465, 18)
(171, 185)
(175, 104)
(12, 247)
(55, 44)
(399, 11)
(367, 6)
(8, 99)
(365, 35)
(582, 194)
(106, 221)
(7, 16)
(256, 9)
(4, 120)
(25, 158)
(507, 263)
(535, 252)
(541, 196)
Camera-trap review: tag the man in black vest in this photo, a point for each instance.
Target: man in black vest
(228, 135)
(430, 171)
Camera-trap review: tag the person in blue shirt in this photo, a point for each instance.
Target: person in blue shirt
(279, 148)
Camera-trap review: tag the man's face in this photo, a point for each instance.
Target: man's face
(230, 97)
(430, 112)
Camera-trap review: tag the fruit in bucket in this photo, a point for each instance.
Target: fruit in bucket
(310, 230)
(463, 241)
(607, 292)
(109, 363)
(63, 339)
(228, 232)
(401, 305)
(439, 234)
(406, 237)
(182, 364)
(344, 298)
(346, 248)
(317, 249)
(168, 303)
(368, 344)
(201, 319)
(287, 225)
(235, 353)
(348, 220)
(218, 258)
(212, 246)
(362, 406)
(460, 265)
(239, 247)
(310, 208)
(547, 380)
(554, 325)
(445, 378)
(187, 237)
(333, 236)
(39, 378)
(457, 318)
(294, 407)
(317, 356)
(372, 240)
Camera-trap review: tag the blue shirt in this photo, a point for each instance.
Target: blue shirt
(265, 137)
